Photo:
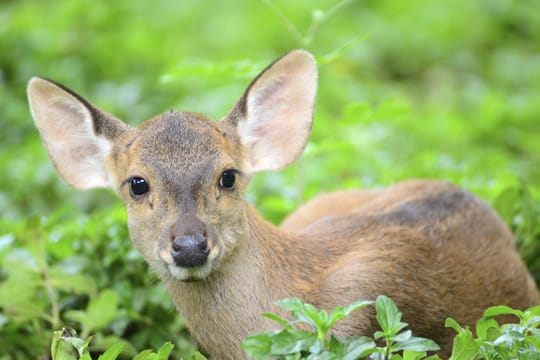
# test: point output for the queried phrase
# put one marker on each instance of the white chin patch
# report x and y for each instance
(191, 273)
(188, 273)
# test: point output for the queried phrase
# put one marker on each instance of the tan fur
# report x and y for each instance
(437, 250)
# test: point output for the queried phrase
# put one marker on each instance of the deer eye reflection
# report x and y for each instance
(138, 186)
(228, 179)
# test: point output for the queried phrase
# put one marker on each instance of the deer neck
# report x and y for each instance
(259, 271)
(245, 286)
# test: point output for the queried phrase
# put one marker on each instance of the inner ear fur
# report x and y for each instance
(77, 135)
(273, 118)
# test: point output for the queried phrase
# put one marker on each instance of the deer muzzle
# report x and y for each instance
(190, 250)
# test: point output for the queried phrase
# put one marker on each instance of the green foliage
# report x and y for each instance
(520, 208)
(99, 312)
(406, 89)
(293, 342)
(67, 346)
(389, 319)
(108, 293)
(493, 342)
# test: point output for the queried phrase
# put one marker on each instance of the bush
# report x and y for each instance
(294, 343)
(493, 342)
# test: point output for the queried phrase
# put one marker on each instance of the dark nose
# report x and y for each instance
(190, 250)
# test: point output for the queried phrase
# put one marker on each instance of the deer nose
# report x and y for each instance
(190, 250)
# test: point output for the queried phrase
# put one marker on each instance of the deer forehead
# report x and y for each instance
(177, 144)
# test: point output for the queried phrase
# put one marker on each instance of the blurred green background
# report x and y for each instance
(445, 89)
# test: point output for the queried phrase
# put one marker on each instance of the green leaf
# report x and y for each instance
(292, 304)
(418, 344)
(388, 316)
(487, 329)
(312, 316)
(451, 323)
(143, 355)
(360, 348)
(3, 320)
(103, 342)
(165, 351)
(77, 343)
(342, 312)
(322, 356)
(281, 321)
(413, 355)
(533, 312)
(65, 351)
(77, 283)
(18, 293)
(258, 346)
(76, 315)
(503, 310)
(337, 345)
(112, 353)
(318, 347)
(355, 306)
(533, 322)
(291, 357)
(403, 336)
(66, 345)
(104, 307)
(100, 312)
(305, 313)
(534, 340)
(511, 336)
(198, 356)
(464, 347)
(293, 341)
(532, 317)
(337, 314)
(507, 203)
(62, 349)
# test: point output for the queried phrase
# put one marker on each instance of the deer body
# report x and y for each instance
(434, 248)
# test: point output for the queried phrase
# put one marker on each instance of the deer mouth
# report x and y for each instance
(190, 271)
(190, 274)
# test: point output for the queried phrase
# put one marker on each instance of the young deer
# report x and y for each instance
(437, 250)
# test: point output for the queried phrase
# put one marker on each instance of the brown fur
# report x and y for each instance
(437, 250)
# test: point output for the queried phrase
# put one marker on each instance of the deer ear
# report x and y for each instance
(274, 116)
(77, 135)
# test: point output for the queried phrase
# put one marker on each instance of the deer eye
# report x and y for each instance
(228, 179)
(138, 186)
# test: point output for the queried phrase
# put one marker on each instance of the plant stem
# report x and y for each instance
(337, 7)
(290, 26)
(316, 23)
(388, 346)
(55, 309)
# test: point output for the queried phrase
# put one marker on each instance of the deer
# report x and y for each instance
(436, 249)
